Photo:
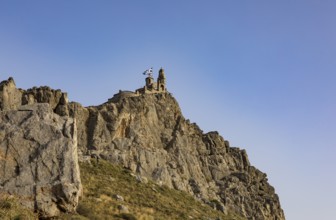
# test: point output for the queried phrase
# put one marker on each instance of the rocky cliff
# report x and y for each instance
(38, 153)
(149, 135)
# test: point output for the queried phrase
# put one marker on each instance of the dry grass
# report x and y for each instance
(144, 201)
(140, 201)
(11, 209)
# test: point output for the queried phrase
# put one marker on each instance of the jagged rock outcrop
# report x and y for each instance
(38, 159)
(12, 97)
(149, 135)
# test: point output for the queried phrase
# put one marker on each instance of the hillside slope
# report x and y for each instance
(113, 192)
(148, 135)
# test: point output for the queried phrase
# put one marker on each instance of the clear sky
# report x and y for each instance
(262, 73)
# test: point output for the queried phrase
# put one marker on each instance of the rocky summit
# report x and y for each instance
(43, 136)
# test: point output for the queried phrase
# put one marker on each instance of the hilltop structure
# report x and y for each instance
(151, 87)
(154, 87)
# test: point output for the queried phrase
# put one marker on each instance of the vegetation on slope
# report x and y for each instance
(111, 192)
(11, 209)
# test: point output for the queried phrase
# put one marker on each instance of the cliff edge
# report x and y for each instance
(148, 134)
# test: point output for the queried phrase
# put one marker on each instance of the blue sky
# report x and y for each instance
(262, 73)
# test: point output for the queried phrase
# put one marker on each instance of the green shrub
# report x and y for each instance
(84, 210)
(127, 216)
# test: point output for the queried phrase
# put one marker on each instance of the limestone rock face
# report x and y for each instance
(38, 158)
(149, 135)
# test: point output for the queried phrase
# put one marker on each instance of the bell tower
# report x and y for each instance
(161, 81)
